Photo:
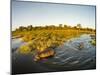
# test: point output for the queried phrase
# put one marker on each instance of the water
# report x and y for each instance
(69, 54)
(16, 43)
(68, 57)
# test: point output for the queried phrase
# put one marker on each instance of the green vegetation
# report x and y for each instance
(93, 42)
(41, 38)
(25, 49)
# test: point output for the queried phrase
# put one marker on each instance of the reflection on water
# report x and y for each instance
(16, 43)
(69, 55)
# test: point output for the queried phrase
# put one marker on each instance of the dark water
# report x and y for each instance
(68, 57)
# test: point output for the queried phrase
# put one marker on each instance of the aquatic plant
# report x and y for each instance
(25, 49)
(41, 38)
(93, 42)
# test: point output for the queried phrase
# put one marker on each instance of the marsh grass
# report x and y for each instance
(42, 38)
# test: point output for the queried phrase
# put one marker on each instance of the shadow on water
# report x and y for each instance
(68, 57)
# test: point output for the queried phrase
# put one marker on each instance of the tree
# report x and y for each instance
(79, 26)
(60, 25)
(29, 27)
(65, 26)
(21, 28)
